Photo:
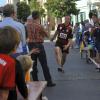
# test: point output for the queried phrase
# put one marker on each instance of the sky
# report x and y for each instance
(2, 2)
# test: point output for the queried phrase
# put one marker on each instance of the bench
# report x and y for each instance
(35, 90)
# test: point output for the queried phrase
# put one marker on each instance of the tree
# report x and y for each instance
(35, 5)
(60, 8)
(23, 11)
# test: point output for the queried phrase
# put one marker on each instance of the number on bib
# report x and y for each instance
(63, 36)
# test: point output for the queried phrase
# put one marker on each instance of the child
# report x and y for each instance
(26, 63)
(11, 73)
(7, 63)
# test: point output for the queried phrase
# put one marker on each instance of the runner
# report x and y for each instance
(63, 42)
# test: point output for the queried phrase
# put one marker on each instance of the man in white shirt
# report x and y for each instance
(9, 16)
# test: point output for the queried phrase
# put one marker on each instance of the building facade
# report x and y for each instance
(84, 11)
(85, 7)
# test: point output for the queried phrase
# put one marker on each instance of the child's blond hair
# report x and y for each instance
(26, 62)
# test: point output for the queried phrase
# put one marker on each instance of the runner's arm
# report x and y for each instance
(54, 36)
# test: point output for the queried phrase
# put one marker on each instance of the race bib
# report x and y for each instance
(63, 36)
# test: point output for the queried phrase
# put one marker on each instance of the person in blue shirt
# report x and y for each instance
(9, 16)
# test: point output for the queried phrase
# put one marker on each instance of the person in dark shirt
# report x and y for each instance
(63, 42)
(97, 43)
(96, 34)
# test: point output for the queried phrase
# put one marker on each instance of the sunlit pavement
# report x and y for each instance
(81, 81)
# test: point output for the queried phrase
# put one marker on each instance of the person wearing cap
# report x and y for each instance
(63, 42)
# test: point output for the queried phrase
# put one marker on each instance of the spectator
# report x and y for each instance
(36, 34)
(29, 21)
(20, 83)
(9, 14)
(26, 63)
(7, 63)
(95, 20)
(97, 36)
(77, 34)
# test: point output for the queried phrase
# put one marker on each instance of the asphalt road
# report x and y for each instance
(81, 81)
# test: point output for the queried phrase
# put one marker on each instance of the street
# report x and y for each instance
(79, 82)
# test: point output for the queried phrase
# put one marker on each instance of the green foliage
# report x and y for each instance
(35, 5)
(60, 8)
(23, 11)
